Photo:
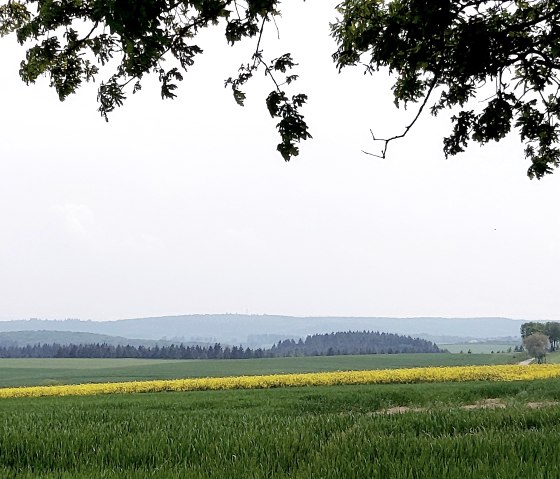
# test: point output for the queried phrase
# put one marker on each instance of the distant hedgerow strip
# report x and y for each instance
(385, 376)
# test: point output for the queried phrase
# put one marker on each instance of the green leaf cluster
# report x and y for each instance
(69, 40)
(292, 126)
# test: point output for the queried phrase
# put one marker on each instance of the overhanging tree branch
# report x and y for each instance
(386, 141)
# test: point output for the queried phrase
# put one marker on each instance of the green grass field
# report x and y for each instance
(27, 372)
(480, 348)
(553, 358)
(320, 432)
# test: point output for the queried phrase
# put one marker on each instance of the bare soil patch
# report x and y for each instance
(402, 410)
(490, 403)
(541, 404)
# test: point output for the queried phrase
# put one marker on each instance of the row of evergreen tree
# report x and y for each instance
(341, 343)
(353, 342)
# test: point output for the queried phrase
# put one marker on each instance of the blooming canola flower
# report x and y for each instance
(383, 376)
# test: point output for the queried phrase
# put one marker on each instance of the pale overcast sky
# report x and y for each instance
(185, 207)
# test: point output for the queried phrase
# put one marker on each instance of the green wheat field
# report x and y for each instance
(452, 430)
(39, 372)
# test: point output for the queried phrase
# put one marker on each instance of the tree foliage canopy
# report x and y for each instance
(135, 37)
(537, 345)
(493, 64)
(551, 329)
(454, 51)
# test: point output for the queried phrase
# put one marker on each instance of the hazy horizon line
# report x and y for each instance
(6, 319)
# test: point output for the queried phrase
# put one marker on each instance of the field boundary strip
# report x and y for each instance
(384, 376)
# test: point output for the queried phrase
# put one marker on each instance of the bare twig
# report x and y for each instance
(276, 25)
(260, 61)
(386, 141)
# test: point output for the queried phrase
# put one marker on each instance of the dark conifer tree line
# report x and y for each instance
(353, 342)
(341, 343)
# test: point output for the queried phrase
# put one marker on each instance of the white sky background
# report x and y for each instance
(184, 206)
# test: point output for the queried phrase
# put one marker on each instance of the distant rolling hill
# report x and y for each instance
(243, 329)
(24, 338)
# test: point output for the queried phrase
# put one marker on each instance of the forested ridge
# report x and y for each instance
(340, 343)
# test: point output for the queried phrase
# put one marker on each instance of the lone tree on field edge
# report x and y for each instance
(537, 345)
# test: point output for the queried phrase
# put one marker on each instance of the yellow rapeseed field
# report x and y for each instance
(384, 376)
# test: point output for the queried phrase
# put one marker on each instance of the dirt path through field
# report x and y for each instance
(526, 362)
